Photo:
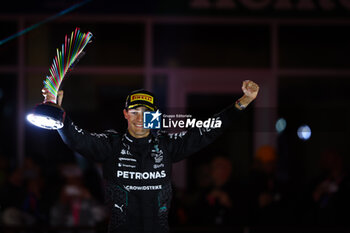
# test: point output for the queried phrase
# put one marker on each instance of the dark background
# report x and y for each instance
(313, 73)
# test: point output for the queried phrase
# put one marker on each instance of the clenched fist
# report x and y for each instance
(250, 90)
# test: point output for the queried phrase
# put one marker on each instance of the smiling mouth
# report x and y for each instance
(139, 126)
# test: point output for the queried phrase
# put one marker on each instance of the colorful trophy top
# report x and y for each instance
(50, 116)
(65, 59)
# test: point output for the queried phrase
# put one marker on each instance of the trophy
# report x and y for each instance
(49, 115)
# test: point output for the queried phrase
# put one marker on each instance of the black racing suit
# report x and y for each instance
(138, 171)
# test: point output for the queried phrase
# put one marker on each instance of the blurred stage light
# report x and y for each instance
(304, 132)
(281, 125)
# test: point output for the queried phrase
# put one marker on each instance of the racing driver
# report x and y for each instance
(137, 164)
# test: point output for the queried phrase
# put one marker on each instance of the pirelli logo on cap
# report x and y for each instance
(143, 97)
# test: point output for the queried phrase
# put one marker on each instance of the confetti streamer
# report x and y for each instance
(66, 58)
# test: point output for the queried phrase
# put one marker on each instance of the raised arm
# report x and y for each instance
(188, 142)
(96, 147)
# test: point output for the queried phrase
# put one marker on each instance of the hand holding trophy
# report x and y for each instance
(49, 114)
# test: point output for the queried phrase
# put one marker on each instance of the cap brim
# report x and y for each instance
(143, 105)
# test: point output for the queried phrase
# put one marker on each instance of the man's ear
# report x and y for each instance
(125, 113)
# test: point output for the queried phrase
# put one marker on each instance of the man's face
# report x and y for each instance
(135, 122)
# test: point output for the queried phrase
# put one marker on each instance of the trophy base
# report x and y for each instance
(47, 116)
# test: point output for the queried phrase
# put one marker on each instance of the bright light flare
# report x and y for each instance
(47, 116)
(45, 122)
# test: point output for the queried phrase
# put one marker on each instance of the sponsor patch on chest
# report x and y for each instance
(141, 175)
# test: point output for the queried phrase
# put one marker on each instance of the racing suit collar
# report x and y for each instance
(132, 139)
